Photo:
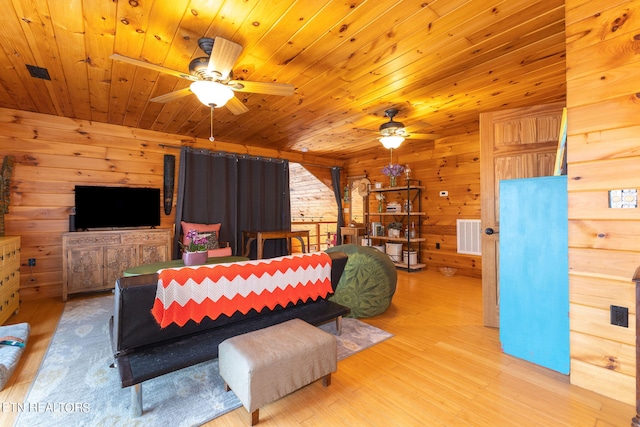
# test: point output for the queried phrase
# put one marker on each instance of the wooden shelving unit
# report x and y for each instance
(413, 193)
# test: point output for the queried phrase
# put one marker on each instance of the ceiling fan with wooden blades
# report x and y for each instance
(393, 133)
(212, 77)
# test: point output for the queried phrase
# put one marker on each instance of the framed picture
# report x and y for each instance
(561, 155)
(377, 227)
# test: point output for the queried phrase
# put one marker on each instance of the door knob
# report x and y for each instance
(488, 231)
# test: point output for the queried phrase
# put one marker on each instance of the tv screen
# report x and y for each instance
(105, 207)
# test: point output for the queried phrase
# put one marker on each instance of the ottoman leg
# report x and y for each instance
(255, 417)
(326, 380)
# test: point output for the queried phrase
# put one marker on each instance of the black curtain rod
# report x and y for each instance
(179, 147)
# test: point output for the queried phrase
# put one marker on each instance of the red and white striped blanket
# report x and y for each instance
(191, 293)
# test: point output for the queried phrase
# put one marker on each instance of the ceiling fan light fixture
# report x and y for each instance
(391, 141)
(211, 94)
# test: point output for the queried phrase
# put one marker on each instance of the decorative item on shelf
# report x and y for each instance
(380, 198)
(394, 229)
(195, 252)
(393, 207)
(407, 173)
(393, 171)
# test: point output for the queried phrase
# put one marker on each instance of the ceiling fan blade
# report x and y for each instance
(281, 89)
(223, 57)
(153, 67)
(168, 97)
(427, 136)
(236, 106)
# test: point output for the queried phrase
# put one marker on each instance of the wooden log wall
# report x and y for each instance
(451, 164)
(603, 146)
(53, 154)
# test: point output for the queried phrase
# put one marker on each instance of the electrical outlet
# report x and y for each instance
(620, 316)
(32, 262)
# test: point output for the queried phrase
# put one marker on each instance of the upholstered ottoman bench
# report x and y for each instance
(265, 365)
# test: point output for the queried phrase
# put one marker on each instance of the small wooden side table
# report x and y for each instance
(261, 236)
(354, 232)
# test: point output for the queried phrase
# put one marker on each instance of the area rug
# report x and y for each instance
(76, 387)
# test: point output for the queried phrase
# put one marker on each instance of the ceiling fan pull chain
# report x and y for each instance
(211, 138)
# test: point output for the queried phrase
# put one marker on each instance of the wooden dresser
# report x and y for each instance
(9, 276)
(93, 260)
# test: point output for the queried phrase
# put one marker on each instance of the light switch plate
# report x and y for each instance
(625, 199)
(444, 193)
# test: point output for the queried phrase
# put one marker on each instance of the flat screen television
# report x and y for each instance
(109, 207)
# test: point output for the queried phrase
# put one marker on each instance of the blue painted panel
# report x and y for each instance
(534, 271)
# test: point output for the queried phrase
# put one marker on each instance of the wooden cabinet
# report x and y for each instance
(93, 260)
(9, 276)
(409, 198)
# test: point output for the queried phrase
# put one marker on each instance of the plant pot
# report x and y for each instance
(194, 258)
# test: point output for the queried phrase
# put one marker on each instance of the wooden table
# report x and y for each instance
(261, 236)
(354, 232)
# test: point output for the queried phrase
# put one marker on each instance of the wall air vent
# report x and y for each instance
(469, 236)
(38, 73)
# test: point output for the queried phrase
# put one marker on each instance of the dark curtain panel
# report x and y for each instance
(264, 200)
(240, 192)
(207, 188)
(335, 180)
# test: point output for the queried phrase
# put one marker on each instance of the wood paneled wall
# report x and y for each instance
(53, 154)
(451, 164)
(603, 149)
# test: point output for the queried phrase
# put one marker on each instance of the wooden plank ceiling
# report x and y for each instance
(440, 62)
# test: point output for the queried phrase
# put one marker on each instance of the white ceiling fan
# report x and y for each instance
(212, 77)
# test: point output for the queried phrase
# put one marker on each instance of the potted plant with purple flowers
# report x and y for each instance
(393, 171)
(195, 252)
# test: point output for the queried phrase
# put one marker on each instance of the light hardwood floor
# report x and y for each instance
(442, 368)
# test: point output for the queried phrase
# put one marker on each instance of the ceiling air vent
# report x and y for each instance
(38, 73)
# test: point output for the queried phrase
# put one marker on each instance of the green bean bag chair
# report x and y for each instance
(368, 281)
